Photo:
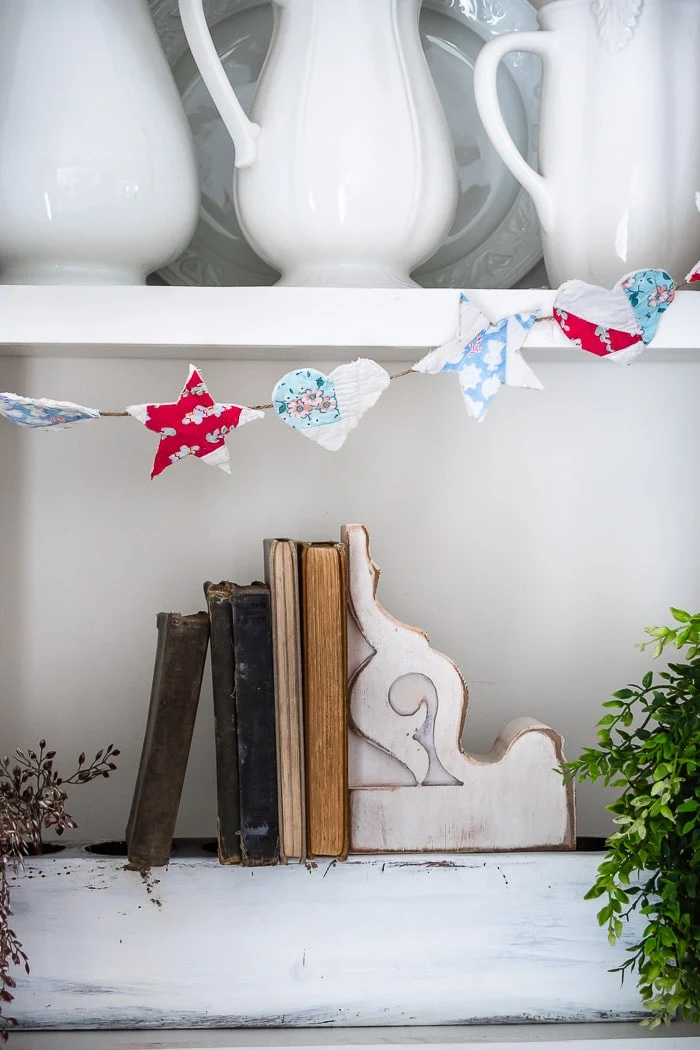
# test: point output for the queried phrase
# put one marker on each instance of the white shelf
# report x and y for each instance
(486, 938)
(679, 1036)
(283, 323)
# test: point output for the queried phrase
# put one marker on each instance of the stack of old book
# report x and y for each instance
(279, 674)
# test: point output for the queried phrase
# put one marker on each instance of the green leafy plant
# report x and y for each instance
(649, 748)
(32, 798)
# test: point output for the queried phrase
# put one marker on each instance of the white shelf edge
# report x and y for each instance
(624, 1036)
(283, 323)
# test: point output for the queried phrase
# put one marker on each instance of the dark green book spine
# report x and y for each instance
(255, 711)
(228, 821)
(177, 680)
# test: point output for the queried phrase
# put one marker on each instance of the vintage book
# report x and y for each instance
(177, 680)
(228, 804)
(324, 634)
(255, 717)
(282, 577)
(281, 570)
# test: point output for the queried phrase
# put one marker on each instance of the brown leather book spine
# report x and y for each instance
(177, 680)
(228, 819)
(324, 617)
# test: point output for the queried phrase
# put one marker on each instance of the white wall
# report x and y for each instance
(533, 548)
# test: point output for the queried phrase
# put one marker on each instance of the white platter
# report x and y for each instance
(495, 237)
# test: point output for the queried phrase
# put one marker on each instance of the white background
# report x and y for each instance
(532, 547)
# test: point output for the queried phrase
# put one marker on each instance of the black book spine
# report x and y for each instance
(255, 710)
(228, 821)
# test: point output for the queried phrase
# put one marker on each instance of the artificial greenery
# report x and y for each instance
(32, 798)
(649, 748)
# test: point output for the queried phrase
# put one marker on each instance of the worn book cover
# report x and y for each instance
(228, 805)
(255, 718)
(325, 663)
(177, 680)
(282, 577)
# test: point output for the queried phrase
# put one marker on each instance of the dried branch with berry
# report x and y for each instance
(32, 800)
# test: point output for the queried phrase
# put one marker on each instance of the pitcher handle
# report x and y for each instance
(243, 131)
(486, 97)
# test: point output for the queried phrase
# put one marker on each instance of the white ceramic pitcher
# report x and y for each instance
(619, 139)
(346, 173)
(98, 183)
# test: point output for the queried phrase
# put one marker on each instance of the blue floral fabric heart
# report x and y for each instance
(650, 293)
(306, 398)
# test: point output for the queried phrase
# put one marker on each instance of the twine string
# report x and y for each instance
(256, 408)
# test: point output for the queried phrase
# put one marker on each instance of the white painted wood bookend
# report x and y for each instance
(412, 787)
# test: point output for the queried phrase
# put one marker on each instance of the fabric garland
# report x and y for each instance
(484, 355)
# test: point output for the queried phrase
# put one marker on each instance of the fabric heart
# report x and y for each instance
(326, 408)
(650, 293)
(618, 323)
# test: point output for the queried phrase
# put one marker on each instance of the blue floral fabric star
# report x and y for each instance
(484, 357)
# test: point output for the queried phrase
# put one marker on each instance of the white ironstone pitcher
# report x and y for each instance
(345, 174)
(619, 152)
(98, 183)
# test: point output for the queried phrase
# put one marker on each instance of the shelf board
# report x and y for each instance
(679, 1036)
(83, 914)
(284, 323)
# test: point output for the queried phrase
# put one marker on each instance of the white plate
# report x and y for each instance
(495, 237)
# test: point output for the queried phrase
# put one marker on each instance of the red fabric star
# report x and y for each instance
(194, 425)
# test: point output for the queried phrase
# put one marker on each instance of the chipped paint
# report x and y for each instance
(386, 940)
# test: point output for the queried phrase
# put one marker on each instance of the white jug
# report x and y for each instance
(619, 151)
(346, 173)
(98, 183)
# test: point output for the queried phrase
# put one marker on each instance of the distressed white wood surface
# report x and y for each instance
(498, 1037)
(254, 323)
(372, 941)
(408, 702)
